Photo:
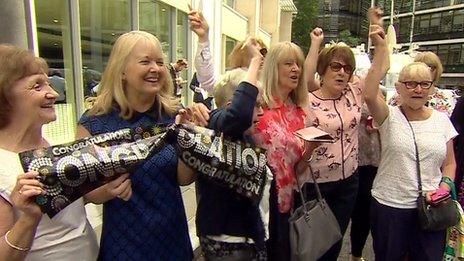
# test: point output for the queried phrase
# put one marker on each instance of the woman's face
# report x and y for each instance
(289, 74)
(33, 98)
(336, 75)
(415, 89)
(145, 72)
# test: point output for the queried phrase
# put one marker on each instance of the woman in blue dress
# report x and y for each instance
(136, 91)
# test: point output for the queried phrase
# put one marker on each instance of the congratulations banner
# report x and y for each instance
(71, 170)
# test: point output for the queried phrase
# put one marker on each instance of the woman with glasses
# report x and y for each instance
(394, 222)
(334, 107)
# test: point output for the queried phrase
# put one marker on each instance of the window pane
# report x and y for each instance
(155, 18)
(181, 47)
(102, 22)
(54, 39)
(230, 44)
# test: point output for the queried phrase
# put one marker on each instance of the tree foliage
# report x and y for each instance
(346, 37)
(304, 21)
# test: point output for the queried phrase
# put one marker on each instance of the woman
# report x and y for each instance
(368, 161)
(335, 107)
(395, 226)
(239, 58)
(26, 104)
(284, 97)
(441, 100)
(136, 90)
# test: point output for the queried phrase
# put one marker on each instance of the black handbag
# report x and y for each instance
(437, 216)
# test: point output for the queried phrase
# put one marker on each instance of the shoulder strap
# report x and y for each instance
(417, 153)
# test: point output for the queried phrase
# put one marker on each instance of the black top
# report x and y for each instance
(220, 210)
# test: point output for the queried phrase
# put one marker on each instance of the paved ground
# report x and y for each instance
(188, 194)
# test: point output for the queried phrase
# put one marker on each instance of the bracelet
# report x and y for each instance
(447, 180)
(24, 249)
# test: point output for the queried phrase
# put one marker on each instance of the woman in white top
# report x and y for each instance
(26, 103)
(395, 225)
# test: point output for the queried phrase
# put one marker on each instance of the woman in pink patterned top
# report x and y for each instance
(334, 107)
(284, 97)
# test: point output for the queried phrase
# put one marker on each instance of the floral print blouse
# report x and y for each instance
(274, 132)
(340, 118)
(441, 100)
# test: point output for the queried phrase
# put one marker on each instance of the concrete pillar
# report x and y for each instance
(13, 23)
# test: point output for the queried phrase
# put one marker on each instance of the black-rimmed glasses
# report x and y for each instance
(413, 84)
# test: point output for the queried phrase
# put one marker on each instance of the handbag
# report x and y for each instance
(437, 216)
(313, 227)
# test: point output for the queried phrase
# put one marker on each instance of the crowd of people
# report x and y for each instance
(367, 175)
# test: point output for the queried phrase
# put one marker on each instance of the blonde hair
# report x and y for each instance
(240, 57)
(415, 69)
(225, 88)
(15, 63)
(430, 58)
(270, 74)
(112, 90)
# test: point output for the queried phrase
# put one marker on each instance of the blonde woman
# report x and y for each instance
(395, 226)
(284, 95)
(136, 90)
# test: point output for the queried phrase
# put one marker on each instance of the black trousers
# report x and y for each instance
(396, 234)
(278, 245)
(360, 218)
(340, 196)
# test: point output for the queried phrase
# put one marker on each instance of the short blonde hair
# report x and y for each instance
(239, 57)
(15, 63)
(112, 90)
(415, 69)
(225, 88)
(270, 74)
(429, 59)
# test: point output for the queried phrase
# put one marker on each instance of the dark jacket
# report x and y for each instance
(220, 210)
(457, 118)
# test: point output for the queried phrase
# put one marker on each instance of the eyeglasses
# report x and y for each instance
(336, 66)
(263, 51)
(413, 84)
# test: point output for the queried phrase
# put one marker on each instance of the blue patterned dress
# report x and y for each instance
(152, 225)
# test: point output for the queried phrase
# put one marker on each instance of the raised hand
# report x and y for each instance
(374, 14)
(198, 25)
(377, 35)
(253, 47)
(23, 195)
(317, 36)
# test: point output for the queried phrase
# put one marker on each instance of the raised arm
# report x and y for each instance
(317, 37)
(381, 63)
(203, 61)
(237, 117)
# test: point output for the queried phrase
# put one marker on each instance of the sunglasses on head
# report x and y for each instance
(413, 84)
(263, 51)
(336, 66)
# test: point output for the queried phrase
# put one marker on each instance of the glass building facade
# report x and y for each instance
(340, 15)
(435, 25)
